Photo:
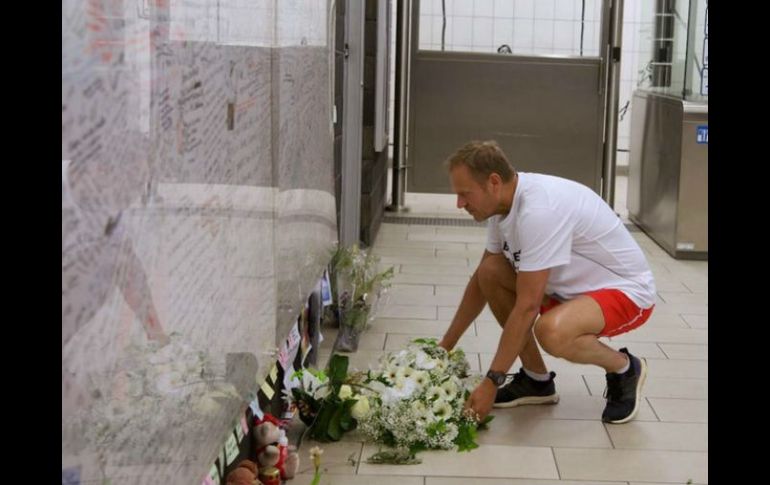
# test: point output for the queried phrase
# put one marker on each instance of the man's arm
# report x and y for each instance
(470, 306)
(530, 287)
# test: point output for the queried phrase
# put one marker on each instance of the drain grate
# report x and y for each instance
(457, 222)
(434, 221)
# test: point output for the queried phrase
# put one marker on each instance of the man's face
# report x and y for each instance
(475, 198)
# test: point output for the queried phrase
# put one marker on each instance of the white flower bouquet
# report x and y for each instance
(416, 401)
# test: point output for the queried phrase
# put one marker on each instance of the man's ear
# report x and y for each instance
(495, 181)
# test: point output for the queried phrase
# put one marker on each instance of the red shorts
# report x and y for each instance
(620, 313)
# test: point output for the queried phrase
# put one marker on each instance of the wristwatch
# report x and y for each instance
(498, 378)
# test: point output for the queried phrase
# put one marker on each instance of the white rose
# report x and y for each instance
(345, 392)
(424, 361)
(360, 408)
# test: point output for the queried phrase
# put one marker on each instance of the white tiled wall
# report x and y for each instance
(527, 26)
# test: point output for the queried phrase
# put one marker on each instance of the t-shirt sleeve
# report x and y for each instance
(494, 237)
(546, 239)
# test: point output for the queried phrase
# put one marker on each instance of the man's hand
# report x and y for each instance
(482, 398)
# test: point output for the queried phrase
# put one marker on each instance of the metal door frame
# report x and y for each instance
(610, 49)
(352, 114)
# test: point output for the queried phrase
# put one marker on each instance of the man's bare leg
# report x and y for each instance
(498, 284)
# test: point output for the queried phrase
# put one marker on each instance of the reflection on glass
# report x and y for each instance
(197, 215)
(675, 34)
(696, 74)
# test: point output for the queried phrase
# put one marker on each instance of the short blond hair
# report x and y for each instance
(483, 158)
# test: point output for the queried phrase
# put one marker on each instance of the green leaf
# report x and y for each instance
(334, 431)
(436, 428)
(394, 457)
(484, 422)
(319, 430)
(347, 422)
(388, 439)
(317, 373)
(426, 341)
(338, 370)
(417, 447)
(466, 437)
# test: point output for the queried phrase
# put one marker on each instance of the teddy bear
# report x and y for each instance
(244, 474)
(273, 448)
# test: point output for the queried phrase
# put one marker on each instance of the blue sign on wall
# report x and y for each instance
(702, 134)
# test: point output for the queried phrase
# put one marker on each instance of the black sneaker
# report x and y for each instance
(623, 391)
(526, 390)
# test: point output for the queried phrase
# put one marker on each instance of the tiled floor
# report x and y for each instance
(540, 445)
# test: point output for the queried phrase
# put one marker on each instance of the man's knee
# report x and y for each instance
(551, 336)
(494, 272)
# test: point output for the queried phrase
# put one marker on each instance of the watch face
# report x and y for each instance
(497, 377)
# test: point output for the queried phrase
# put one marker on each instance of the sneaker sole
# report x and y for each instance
(552, 399)
(639, 385)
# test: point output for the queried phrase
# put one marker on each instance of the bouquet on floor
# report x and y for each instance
(326, 401)
(413, 401)
(416, 399)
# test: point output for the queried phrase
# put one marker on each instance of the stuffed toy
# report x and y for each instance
(244, 474)
(273, 447)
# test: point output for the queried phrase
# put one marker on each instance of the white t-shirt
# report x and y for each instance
(561, 225)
